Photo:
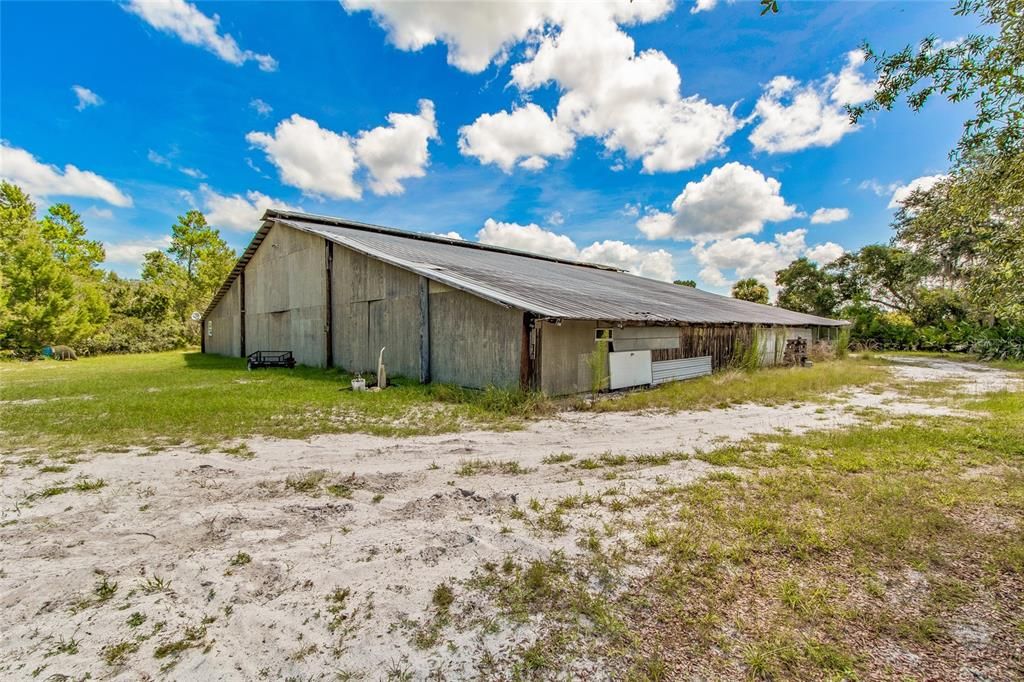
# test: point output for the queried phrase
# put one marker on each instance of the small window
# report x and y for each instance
(603, 334)
(209, 327)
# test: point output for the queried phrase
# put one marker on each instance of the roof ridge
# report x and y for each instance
(278, 214)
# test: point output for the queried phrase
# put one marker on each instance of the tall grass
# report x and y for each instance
(772, 385)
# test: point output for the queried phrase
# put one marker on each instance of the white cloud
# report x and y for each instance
(322, 162)
(475, 32)
(506, 137)
(901, 193)
(745, 257)
(631, 210)
(313, 159)
(158, 159)
(535, 239)
(446, 235)
(260, 107)
(731, 200)
(829, 215)
(101, 213)
(42, 180)
(184, 20)
(399, 150)
(630, 101)
(705, 6)
(86, 97)
(793, 116)
(532, 238)
(237, 212)
(478, 33)
(555, 218)
(133, 251)
(826, 253)
(193, 173)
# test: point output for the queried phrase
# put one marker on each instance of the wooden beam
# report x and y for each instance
(241, 310)
(329, 312)
(424, 330)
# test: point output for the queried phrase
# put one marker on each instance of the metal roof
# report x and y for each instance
(547, 287)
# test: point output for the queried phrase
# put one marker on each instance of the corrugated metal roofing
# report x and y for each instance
(547, 287)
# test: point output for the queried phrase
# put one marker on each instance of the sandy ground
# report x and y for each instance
(165, 528)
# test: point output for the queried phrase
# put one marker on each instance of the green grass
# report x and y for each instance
(769, 386)
(804, 566)
(165, 399)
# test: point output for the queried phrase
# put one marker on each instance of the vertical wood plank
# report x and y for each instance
(424, 330)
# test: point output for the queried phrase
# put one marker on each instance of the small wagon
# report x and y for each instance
(270, 358)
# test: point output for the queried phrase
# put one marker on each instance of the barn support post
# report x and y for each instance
(329, 312)
(529, 363)
(424, 330)
(241, 311)
(202, 335)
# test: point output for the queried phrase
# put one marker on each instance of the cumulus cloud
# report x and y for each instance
(731, 200)
(745, 257)
(185, 21)
(504, 138)
(42, 180)
(86, 97)
(238, 212)
(398, 150)
(829, 215)
(629, 101)
(323, 163)
(318, 161)
(446, 235)
(703, 6)
(792, 115)
(535, 239)
(133, 251)
(902, 192)
(532, 238)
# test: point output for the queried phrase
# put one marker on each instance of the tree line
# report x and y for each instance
(952, 276)
(53, 290)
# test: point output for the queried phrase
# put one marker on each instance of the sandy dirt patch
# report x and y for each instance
(319, 558)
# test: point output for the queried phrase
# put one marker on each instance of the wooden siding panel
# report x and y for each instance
(226, 321)
(285, 296)
(473, 342)
(563, 368)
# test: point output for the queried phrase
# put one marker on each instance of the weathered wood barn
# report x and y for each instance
(334, 292)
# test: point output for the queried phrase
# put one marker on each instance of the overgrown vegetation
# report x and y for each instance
(172, 398)
(889, 549)
(950, 279)
(767, 386)
(53, 290)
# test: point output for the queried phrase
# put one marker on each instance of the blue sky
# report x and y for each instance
(671, 142)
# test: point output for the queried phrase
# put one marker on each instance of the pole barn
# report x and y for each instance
(334, 292)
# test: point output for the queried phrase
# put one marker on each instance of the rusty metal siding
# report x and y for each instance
(284, 297)
(473, 342)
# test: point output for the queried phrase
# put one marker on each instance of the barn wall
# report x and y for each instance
(285, 295)
(473, 342)
(375, 305)
(564, 352)
(224, 321)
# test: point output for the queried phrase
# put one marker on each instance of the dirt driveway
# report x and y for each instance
(319, 559)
